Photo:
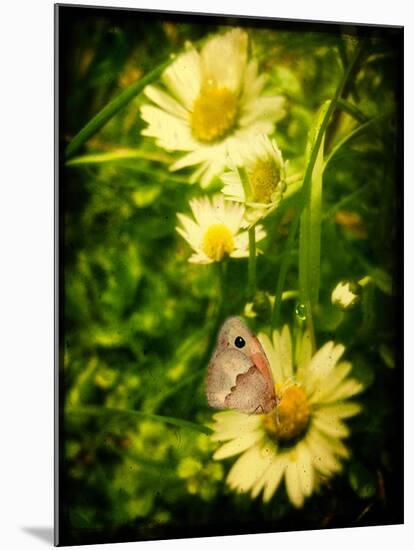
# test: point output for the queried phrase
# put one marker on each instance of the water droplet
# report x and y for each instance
(300, 311)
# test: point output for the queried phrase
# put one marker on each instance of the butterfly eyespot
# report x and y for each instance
(239, 342)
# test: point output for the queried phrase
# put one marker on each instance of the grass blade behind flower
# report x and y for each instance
(316, 139)
(310, 226)
(92, 410)
(111, 108)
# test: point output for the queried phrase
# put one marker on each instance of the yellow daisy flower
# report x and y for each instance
(211, 101)
(216, 230)
(301, 440)
(263, 170)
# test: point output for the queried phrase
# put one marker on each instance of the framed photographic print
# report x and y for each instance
(228, 275)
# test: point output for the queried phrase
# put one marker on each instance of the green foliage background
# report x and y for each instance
(138, 321)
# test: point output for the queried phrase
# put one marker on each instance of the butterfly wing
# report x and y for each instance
(239, 379)
(222, 373)
(251, 393)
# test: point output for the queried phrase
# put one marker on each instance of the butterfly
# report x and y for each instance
(239, 375)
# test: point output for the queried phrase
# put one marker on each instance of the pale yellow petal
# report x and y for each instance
(342, 409)
(232, 424)
(274, 360)
(328, 386)
(306, 471)
(253, 83)
(183, 77)
(249, 468)
(191, 159)
(273, 477)
(238, 445)
(191, 231)
(170, 132)
(286, 352)
(200, 258)
(322, 363)
(293, 486)
(166, 102)
(345, 390)
(322, 454)
(283, 352)
(304, 354)
(266, 108)
(224, 58)
(329, 424)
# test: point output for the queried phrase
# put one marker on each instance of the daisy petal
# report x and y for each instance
(332, 382)
(343, 410)
(238, 445)
(283, 351)
(223, 59)
(329, 424)
(183, 78)
(293, 486)
(323, 362)
(165, 101)
(249, 468)
(232, 424)
(272, 357)
(273, 477)
(170, 132)
(265, 108)
(305, 469)
(347, 389)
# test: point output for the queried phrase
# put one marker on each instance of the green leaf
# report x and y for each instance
(387, 356)
(112, 108)
(362, 481)
(310, 225)
(357, 132)
(316, 138)
(109, 411)
(382, 280)
(118, 155)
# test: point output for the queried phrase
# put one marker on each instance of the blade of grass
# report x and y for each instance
(118, 155)
(306, 182)
(111, 108)
(288, 256)
(360, 130)
(251, 286)
(91, 410)
(352, 110)
(310, 226)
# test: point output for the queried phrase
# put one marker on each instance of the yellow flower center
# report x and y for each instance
(264, 178)
(291, 416)
(214, 113)
(218, 241)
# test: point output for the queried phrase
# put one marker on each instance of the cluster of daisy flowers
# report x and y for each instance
(211, 110)
(211, 107)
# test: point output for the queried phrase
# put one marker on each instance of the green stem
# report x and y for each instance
(310, 324)
(352, 110)
(352, 135)
(353, 69)
(105, 114)
(252, 264)
(284, 269)
(92, 410)
(324, 124)
(306, 185)
(118, 155)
